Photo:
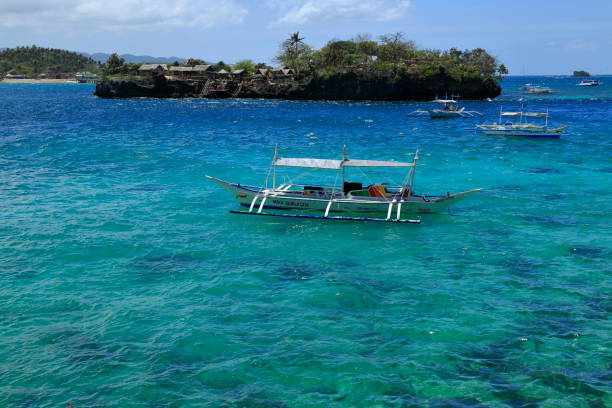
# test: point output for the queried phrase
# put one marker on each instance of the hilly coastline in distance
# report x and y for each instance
(34, 60)
(102, 57)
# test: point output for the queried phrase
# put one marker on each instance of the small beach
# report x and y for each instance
(37, 81)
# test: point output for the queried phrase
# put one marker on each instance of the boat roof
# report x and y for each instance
(333, 164)
(534, 114)
(445, 100)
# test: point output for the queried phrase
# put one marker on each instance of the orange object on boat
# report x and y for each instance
(377, 191)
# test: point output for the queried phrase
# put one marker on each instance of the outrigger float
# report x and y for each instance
(350, 201)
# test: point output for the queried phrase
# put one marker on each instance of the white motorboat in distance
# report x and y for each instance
(347, 201)
(589, 82)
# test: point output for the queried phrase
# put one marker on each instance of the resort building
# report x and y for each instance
(222, 74)
(202, 71)
(282, 74)
(152, 69)
(52, 72)
(86, 77)
(181, 72)
(239, 74)
(262, 72)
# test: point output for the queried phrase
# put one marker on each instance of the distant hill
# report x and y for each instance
(36, 60)
(102, 57)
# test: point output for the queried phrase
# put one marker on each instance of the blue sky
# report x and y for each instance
(531, 37)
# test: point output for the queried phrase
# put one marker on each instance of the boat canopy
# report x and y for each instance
(445, 100)
(534, 114)
(333, 164)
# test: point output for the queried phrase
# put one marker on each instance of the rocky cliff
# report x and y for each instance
(344, 86)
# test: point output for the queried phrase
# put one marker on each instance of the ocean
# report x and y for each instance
(125, 281)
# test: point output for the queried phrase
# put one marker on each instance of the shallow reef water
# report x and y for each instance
(125, 281)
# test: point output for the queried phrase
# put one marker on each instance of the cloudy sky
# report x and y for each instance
(529, 36)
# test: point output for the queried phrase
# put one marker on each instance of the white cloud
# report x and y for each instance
(125, 14)
(297, 12)
(581, 45)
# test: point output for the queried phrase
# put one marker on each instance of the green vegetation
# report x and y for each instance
(221, 65)
(192, 62)
(36, 60)
(297, 55)
(249, 66)
(390, 56)
(116, 65)
(581, 74)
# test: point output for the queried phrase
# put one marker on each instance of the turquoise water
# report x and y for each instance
(124, 281)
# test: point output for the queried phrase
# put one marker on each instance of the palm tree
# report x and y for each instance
(295, 42)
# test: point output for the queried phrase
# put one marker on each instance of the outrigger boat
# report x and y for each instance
(522, 128)
(450, 109)
(348, 201)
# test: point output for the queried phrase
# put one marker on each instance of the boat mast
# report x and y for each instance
(546, 120)
(274, 167)
(344, 158)
(412, 170)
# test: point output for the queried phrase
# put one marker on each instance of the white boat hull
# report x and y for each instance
(349, 206)
(439, 113)
(546, 133)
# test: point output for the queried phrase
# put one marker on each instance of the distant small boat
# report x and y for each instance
(538, 89)
(450, 109)
(589, 82)
(522, 128)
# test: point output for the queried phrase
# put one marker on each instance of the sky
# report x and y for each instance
(535, 37)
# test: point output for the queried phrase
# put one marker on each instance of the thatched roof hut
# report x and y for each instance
(152, 67)
(202, 68)
(282, 72)
(181, 69)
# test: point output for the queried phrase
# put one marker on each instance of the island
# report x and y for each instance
(581, 74)
(389, 69)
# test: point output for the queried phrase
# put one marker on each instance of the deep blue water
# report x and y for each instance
(124, 281)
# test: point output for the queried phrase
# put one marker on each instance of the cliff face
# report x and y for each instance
(347, 86)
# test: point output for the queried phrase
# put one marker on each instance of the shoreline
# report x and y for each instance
(38, 81)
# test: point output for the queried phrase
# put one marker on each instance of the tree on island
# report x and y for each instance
(114, 65)
(246, 64)
(221, 65)
(192, 62)
(294, 53)
(391, 56)
(395, 49)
